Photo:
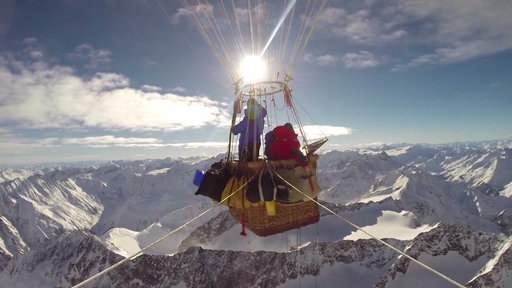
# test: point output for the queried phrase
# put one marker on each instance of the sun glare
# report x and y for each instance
(252, 69)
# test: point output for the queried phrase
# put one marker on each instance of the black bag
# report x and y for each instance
(214, 182)
(266, 187)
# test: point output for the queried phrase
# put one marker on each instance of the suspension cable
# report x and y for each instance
(299, 266)
(299, 51)
(230, 31)
(425, 266)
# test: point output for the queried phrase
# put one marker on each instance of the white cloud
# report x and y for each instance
(360, 27)
(109, 140)
(179, 89)
(332, 15)
(461, 29)
(357, 60)
(192, 145)
(93, 58)
(360, 60)
(326, 59)
(5, 130)
(444, 31)
(192, 10)
(320, 131)
(323, 60)
(38, 95)
(12, 144)
(101, 82)
(150, 88)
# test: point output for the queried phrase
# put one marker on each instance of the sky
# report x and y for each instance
(118, 80)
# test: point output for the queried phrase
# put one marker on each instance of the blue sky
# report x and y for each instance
(106, 80)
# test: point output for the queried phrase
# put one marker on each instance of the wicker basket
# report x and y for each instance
(287, 217)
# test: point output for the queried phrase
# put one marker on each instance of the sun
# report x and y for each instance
(252, 69)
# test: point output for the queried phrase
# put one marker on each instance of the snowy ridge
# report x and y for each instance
(453, 245)
(77, 253)
(448, 206)
(496, 272)
(43, 206)
(490, 170)
(356, 263)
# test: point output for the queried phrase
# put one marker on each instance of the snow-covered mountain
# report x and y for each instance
(447, 206)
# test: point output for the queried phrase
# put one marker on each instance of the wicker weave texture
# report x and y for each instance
(288, 216)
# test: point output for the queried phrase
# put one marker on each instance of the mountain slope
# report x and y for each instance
(353, 263)
(40, 207)
(446, 205)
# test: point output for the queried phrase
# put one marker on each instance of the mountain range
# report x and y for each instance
(391, 216)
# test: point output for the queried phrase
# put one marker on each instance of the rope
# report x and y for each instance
(317, 250)
(230, 35)
(305, 111)
(374, 237)
(299, 51)
(298, 244)
(140, 252)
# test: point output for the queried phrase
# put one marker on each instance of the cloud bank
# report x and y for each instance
(444, 32)
(38, 94)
